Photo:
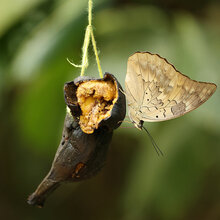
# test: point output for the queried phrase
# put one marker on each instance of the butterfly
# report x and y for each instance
(156, 91)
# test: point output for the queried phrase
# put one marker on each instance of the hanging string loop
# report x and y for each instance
(89, 36)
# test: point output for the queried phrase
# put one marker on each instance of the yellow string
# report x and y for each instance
(85, 60)
(96, 55)
(90, 12)
(89, 34)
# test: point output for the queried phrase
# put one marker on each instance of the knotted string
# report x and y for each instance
(89, 35)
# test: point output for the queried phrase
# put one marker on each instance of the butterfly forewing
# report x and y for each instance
(137, 89)
(158, 92)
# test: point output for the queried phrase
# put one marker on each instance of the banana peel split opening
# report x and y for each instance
(96, 102)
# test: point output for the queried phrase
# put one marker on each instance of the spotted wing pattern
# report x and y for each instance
(156, 91)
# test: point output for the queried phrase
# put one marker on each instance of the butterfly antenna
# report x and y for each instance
(157, 149)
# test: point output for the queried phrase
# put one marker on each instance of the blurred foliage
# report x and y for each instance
(36, 37)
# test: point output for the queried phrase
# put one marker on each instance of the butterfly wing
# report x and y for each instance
(156, 91)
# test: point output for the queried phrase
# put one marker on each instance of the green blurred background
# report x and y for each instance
(36, 37)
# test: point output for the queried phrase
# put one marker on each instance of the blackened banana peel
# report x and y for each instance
(97, 107)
